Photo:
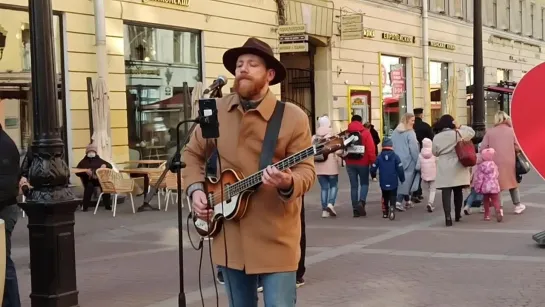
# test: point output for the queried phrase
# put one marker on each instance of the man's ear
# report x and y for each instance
(270, 75)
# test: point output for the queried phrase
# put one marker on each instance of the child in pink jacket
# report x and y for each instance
(485, 181)
(428, 170)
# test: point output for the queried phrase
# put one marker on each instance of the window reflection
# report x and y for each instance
(394, 92)
(438, 89)
(158, 62)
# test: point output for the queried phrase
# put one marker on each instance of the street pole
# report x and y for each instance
(478, 73)
(50, 205)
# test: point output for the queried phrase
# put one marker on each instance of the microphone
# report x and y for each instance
(217, 84)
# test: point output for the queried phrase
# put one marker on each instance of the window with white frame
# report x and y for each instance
(532, 8)
(543, 23)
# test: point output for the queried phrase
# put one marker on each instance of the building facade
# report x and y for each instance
(153, 48)
(343, 57)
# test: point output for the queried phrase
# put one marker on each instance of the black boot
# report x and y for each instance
(457, 212)
(362, 208)
(448, 221)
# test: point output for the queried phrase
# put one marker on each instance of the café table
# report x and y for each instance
(144, 171)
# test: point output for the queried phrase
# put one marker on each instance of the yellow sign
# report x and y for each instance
(296, 47)
(351, 27)
(292, 29)
(441, 45)
(368, 33)
(175, 2)
(399, 37)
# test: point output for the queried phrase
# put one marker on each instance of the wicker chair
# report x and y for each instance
(113, 183)
(154, 178)
(171, 188)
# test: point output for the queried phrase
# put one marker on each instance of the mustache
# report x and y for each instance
(244, 77)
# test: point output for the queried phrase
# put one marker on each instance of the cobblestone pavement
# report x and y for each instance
(414, 261)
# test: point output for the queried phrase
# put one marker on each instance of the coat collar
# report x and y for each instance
(265, 108)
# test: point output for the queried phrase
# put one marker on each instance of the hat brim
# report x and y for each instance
(230, 58)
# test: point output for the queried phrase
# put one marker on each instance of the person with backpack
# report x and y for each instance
(358, 157)
(391, 171)
(327, 170)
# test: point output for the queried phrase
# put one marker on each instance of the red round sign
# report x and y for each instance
(527, 112)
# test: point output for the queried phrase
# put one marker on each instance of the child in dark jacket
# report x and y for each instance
(391, 172)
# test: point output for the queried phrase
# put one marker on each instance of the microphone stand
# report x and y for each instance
(176, 165)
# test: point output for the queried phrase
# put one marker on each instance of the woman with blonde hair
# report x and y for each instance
(501, 137)
(407, 148)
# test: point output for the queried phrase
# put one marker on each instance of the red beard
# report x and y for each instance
(251, 87)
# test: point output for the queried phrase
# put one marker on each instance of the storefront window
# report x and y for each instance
(394, 91)
(15, 77)
(438, 89)
(157, 63)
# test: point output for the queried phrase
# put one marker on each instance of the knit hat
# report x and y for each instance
(387, 142)
(324, 121)
(91, 147)
(427, 143)
(487, 154)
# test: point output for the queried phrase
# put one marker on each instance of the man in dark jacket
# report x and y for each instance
(10, 180)
(423, 130)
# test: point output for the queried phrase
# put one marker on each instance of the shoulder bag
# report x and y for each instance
(465, 150)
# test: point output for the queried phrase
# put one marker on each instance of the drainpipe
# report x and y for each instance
(100, 35)
(425, 60)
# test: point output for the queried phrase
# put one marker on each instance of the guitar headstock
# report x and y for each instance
(331, 145)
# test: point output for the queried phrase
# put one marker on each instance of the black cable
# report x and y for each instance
(224, 224)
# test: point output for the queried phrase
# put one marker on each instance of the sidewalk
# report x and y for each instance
(132, 260)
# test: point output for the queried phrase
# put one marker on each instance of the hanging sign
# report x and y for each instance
(184, 3)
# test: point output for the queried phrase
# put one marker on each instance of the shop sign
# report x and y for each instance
(397, 80)
(292, 29)
(294, 47)
(399, 37)
(138, 70)
(351, 27)
(441, 45)
(174, 2)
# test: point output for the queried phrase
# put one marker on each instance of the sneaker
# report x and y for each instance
(409, 204)
(331, 210)
(430, 207)
(356, 213)
(375, 179)
(325, 214)
(299, 282)
(487, 218)
(384, 214)
(399, 207)
(219, 278)
(260, 289)
(519, 208)
(499, 215)
(467, 210)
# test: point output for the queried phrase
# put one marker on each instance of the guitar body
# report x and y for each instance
(232, 208)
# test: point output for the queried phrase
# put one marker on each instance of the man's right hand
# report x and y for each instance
(89, 172)
(200, 205)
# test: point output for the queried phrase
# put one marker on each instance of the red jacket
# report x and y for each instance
(370, 154)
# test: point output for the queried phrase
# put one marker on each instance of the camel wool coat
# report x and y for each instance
(266, 239)
(502, 138)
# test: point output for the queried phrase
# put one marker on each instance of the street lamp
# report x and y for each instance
(478, 73)
(50, 205)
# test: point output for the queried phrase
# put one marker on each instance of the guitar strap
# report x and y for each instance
(271, 135)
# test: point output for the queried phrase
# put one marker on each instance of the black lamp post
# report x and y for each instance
(50, 206)
(478, 73)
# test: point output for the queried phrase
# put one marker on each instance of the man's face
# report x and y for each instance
(252, 77)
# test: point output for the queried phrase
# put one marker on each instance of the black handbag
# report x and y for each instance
(522, 165)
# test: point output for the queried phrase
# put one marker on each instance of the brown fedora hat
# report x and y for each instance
(259, 48)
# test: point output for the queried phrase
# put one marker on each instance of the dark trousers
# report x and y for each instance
(418, 192)
(89, 188)
(11, 289)
(458, 200)
(303, 243)
(388, 199)
(146, 182)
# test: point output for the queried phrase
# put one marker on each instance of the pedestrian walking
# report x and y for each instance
(10, 187)
(427, 165)
(391, 171)
(327, 170)
(423, 130)
(357, 165)
(452, 176)
(406, 147)
(486, 182)
(473, 196)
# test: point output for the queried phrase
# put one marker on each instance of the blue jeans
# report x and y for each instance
(359, 178)
(11, 289)
(330, 187)
(473, 197)
(278, 288)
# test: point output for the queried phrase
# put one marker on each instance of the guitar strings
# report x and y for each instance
(235, 187)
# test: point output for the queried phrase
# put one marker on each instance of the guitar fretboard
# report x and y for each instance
(288, 162)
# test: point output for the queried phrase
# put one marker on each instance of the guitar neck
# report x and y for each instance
(256, 178)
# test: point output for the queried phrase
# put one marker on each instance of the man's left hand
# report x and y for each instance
(275, 178)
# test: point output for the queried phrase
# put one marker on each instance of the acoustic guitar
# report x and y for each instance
(232, 201)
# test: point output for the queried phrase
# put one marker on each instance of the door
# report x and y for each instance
(298, 88)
